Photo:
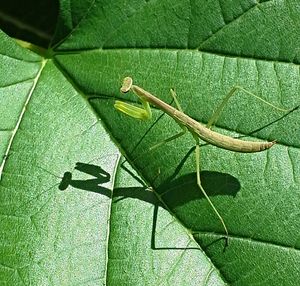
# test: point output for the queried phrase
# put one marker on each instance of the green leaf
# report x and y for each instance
(72, 214)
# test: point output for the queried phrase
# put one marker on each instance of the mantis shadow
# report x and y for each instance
(178, 192)
(142, 193)
(91, 185)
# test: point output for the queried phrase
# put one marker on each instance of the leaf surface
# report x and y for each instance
(59, 120)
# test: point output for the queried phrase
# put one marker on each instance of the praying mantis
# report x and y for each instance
(196, 129)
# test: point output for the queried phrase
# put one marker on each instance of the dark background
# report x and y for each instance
(31, 20)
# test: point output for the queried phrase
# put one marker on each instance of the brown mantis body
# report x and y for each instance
(204, 133)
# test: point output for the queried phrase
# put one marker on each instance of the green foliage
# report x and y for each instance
(73, 213)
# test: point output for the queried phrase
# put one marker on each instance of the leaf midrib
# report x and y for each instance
(35, 81)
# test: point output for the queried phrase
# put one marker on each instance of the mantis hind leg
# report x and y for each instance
(197, 154)
(233, 91)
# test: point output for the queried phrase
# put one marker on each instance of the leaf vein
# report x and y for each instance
(21, 117)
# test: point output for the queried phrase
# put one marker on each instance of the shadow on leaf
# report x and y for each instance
(185, 188)
(92, 185)
(181, 192)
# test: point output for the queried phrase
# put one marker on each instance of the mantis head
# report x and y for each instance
(130, 109)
